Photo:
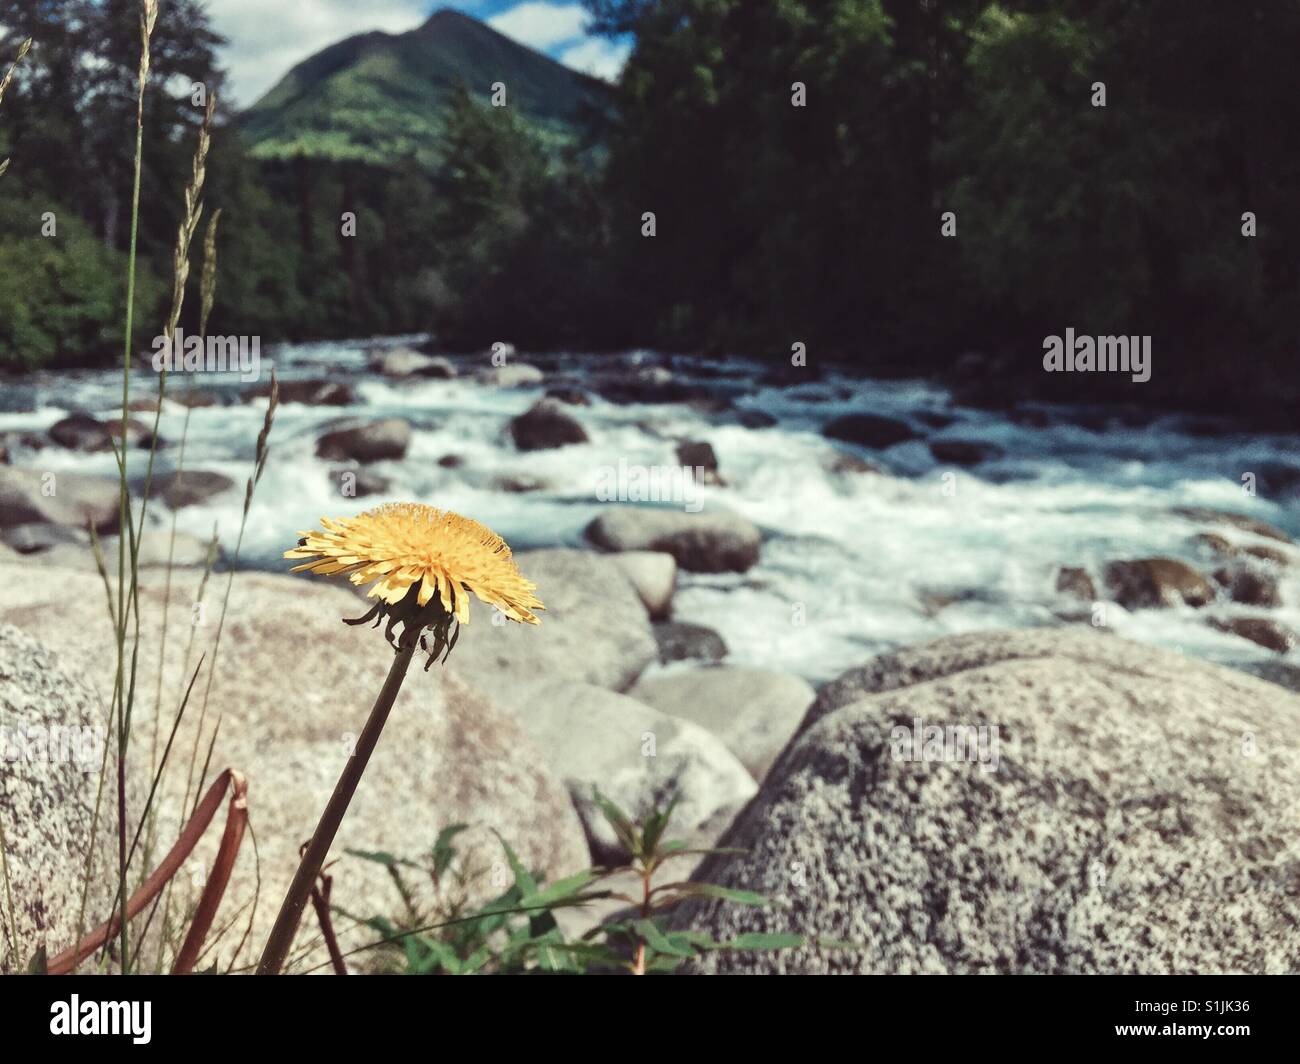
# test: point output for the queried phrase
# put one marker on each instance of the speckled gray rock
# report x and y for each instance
(594, 630)
(51, 741)
(754, 711)
(637, 756)
(931, 661)
(1140, 819)
(293, 688)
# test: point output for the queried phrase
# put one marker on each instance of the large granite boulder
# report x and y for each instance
(292, 689)
(52, 743)
(1130, 814)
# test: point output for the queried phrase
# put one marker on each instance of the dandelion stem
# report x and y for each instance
(286, 924)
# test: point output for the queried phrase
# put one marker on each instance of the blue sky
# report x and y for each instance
(267, 37)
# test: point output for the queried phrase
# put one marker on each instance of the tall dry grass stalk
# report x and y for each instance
(127, 605)
(23, 49)
(148, 19)
(207, 295)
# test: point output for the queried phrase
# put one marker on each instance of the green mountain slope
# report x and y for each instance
(378, 97)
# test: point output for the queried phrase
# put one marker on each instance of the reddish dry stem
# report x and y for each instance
(68, 960)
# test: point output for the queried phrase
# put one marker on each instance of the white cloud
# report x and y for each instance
(541, 25)
(596, 56)
(267, 38)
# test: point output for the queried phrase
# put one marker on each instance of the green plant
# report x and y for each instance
(517, 932)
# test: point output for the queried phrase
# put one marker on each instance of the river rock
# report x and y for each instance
(870, 430)
(637, 756)
(371, 441)
(1123, 829)
(518, 483)
(594, 629)
(138, 434)
(311, 393)
(156, 550)
(1236, 520)
(1074, 581)
(1266, 553)
(53, 744)
(570, 396)
(680, 641)
(1156, 583)
(358, 483)
(515, 375)
(698, 456)
(1216, 545)
(545, 425)
(30, 496)
(81, 432)
(403, 362)
(292, 689)
(188, 487)
(964, 452)
(712, 541)
(654, 575)
(754, 711)
(842, 463)
(195, 400)
(1268, 633)
(1249, 584)
(34, 538)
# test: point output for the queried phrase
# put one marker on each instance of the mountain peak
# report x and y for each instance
(379, 97)
(448, 16)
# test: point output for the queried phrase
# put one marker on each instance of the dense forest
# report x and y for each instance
(1111, 166)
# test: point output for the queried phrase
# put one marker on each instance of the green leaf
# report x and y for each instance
(658, 941)
(712, 890)
(523, 879)
(592, 954)
(38, 965)
(619, 821)
(475, 961)
(655, 825)
(440, 955)
(560, 890)
(377, 856)
(443, 850)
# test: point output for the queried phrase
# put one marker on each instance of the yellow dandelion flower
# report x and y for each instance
(423, 563)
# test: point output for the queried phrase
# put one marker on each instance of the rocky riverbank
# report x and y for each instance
(743, 587)
(1132, 816)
